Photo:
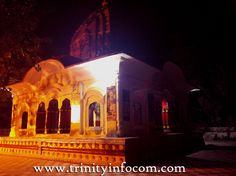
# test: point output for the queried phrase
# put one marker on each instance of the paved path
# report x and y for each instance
(228, 156)
(16, 166)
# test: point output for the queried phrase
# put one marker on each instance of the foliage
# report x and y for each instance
(20, 46)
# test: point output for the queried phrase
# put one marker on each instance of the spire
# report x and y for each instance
(92, 38)
(104, 3)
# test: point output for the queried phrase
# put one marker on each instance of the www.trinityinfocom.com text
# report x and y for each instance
(102, 170)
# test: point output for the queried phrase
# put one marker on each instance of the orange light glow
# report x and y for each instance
(13, 132)
(104, 71)
(75, 113)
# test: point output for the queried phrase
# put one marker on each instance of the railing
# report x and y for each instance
(103, 151)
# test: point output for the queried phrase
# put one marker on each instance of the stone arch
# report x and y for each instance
(94, 115)
(94, 92)
(94, 96)
(5, 111)
(65, 118)
(24, 120)
(41, 118)
(52, 117)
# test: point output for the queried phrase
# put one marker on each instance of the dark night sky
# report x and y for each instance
(160, 32)
(197, 35)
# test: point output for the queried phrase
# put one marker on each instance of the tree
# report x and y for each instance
(20, 46)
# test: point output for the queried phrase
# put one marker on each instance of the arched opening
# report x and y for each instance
(5, 111)
(165, 118)
(40, 119)
(52, 117)
(24, 120)
(94, 115)
(65, 120)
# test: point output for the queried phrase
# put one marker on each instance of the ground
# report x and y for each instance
(210, 162)
(215, 159)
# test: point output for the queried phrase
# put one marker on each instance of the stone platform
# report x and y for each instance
(102, 151)
(85, 150)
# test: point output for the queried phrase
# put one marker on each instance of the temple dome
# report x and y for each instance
(43, 69)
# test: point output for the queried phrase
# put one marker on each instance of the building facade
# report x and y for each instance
(114, 95)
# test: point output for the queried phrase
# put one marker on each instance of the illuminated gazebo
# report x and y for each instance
(102, 97)
(96, 108)
(83, 112)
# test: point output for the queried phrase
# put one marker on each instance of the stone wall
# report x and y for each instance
(86, 151)
(220, 133)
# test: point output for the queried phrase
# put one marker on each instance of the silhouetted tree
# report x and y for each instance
(20, 46)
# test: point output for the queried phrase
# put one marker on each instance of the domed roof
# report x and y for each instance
(44, 68)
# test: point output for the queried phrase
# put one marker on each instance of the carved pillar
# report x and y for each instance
(105, 116)
(59, 115)
(46, 109)
(82, 110)
(118, 119)
(31, 121)
(13, 121)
